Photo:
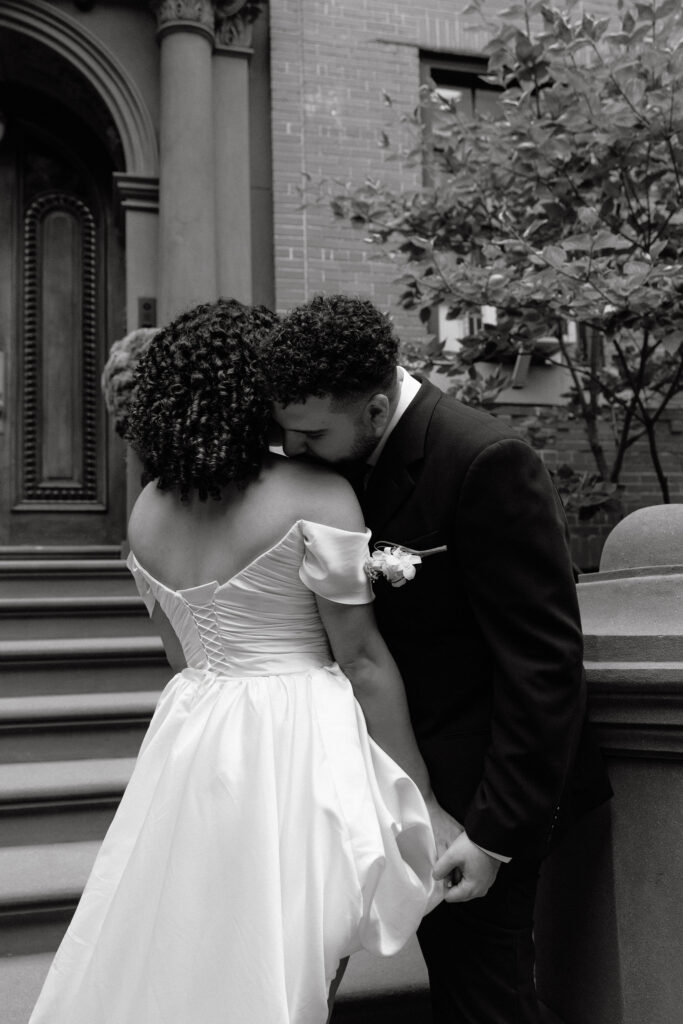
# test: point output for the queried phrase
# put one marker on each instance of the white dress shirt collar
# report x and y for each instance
(409, 388)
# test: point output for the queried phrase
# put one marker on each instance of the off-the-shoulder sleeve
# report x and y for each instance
(141, 582)
(333, 563)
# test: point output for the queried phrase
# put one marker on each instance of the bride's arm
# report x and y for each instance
(363, 656)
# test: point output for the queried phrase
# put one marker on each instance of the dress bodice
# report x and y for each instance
(263, 620)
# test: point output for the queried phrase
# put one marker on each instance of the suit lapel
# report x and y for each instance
(393, 478)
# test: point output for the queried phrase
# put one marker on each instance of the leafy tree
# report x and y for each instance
(565, 205)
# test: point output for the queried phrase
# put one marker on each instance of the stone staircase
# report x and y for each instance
(80, 672)
(81, 668)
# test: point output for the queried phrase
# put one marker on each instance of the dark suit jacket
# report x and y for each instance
(487, 635)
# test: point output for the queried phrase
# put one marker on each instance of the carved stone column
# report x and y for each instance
(187, 246)
(231, 146)
(139, 198)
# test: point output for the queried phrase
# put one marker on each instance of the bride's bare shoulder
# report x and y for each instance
(316, 492)
(151, 506)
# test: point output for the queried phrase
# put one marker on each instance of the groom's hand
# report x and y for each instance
(445, 827)
(469, 872)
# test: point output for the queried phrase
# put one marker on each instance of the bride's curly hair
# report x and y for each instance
(200, 416)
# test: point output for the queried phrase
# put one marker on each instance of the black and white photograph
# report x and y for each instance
(341, 511)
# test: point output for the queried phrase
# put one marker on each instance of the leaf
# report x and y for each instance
(645, 11)
(554, 255)
(628, 22)
(672, 341)
(637, 267)
(634, 91)
(601, 27)
(579, 243)
(588, 216)
(666, 8)
(524, 48)
(608, 240)
(618, 38)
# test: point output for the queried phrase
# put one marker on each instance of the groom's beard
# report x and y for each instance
(363, 446)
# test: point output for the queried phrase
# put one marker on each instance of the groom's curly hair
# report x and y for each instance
(335, 345)
(199, 419)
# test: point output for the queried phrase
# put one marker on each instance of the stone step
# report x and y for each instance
(65, 577)
(82, 665)
(26, 618)
(635, 647)
(39, 889)
(397, 1007)
(23, 552)
(60, 801)
(69, 727)
(21, 979)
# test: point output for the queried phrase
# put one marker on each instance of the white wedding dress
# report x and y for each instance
(263, 835)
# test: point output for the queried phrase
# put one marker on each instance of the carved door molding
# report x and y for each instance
(60, 429)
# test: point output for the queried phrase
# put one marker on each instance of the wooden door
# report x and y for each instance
(61, 471)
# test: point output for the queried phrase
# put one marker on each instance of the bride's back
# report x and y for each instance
(186, 544)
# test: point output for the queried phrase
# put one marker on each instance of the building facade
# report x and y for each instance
(156, 153)
(135, 181)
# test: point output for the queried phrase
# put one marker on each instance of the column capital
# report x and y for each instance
(137, 193)
(234, 20)
(184, 15)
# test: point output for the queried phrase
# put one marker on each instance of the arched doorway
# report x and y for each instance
(62, 303)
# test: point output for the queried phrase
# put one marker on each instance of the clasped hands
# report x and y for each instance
(468, 870)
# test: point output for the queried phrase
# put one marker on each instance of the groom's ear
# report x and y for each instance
(377, 413)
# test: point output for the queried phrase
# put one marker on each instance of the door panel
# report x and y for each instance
(61, 411)
(61, 275)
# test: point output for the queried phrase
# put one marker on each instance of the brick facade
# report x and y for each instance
(331, 63)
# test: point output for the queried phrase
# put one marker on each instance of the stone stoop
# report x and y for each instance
(81, 668)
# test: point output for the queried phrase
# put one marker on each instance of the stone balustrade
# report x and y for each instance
(610, 911)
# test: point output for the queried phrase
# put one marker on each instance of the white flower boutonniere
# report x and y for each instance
(395, 563)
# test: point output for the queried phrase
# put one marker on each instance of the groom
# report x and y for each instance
(487, 635)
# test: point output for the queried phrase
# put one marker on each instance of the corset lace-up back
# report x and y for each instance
(263, 620)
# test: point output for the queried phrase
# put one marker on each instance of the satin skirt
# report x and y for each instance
(263, 836)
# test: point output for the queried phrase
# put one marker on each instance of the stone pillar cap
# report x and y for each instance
(648, 537)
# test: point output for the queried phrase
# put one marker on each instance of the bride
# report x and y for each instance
(280, 816)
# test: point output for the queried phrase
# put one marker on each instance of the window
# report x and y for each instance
(459, 78)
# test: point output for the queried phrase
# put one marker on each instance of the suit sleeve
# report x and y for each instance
(512, 548)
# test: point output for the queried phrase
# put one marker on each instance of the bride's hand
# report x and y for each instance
(445, 827)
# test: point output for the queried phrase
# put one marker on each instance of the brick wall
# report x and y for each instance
(330, 64)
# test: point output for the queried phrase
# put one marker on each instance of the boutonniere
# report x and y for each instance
(397, 564)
